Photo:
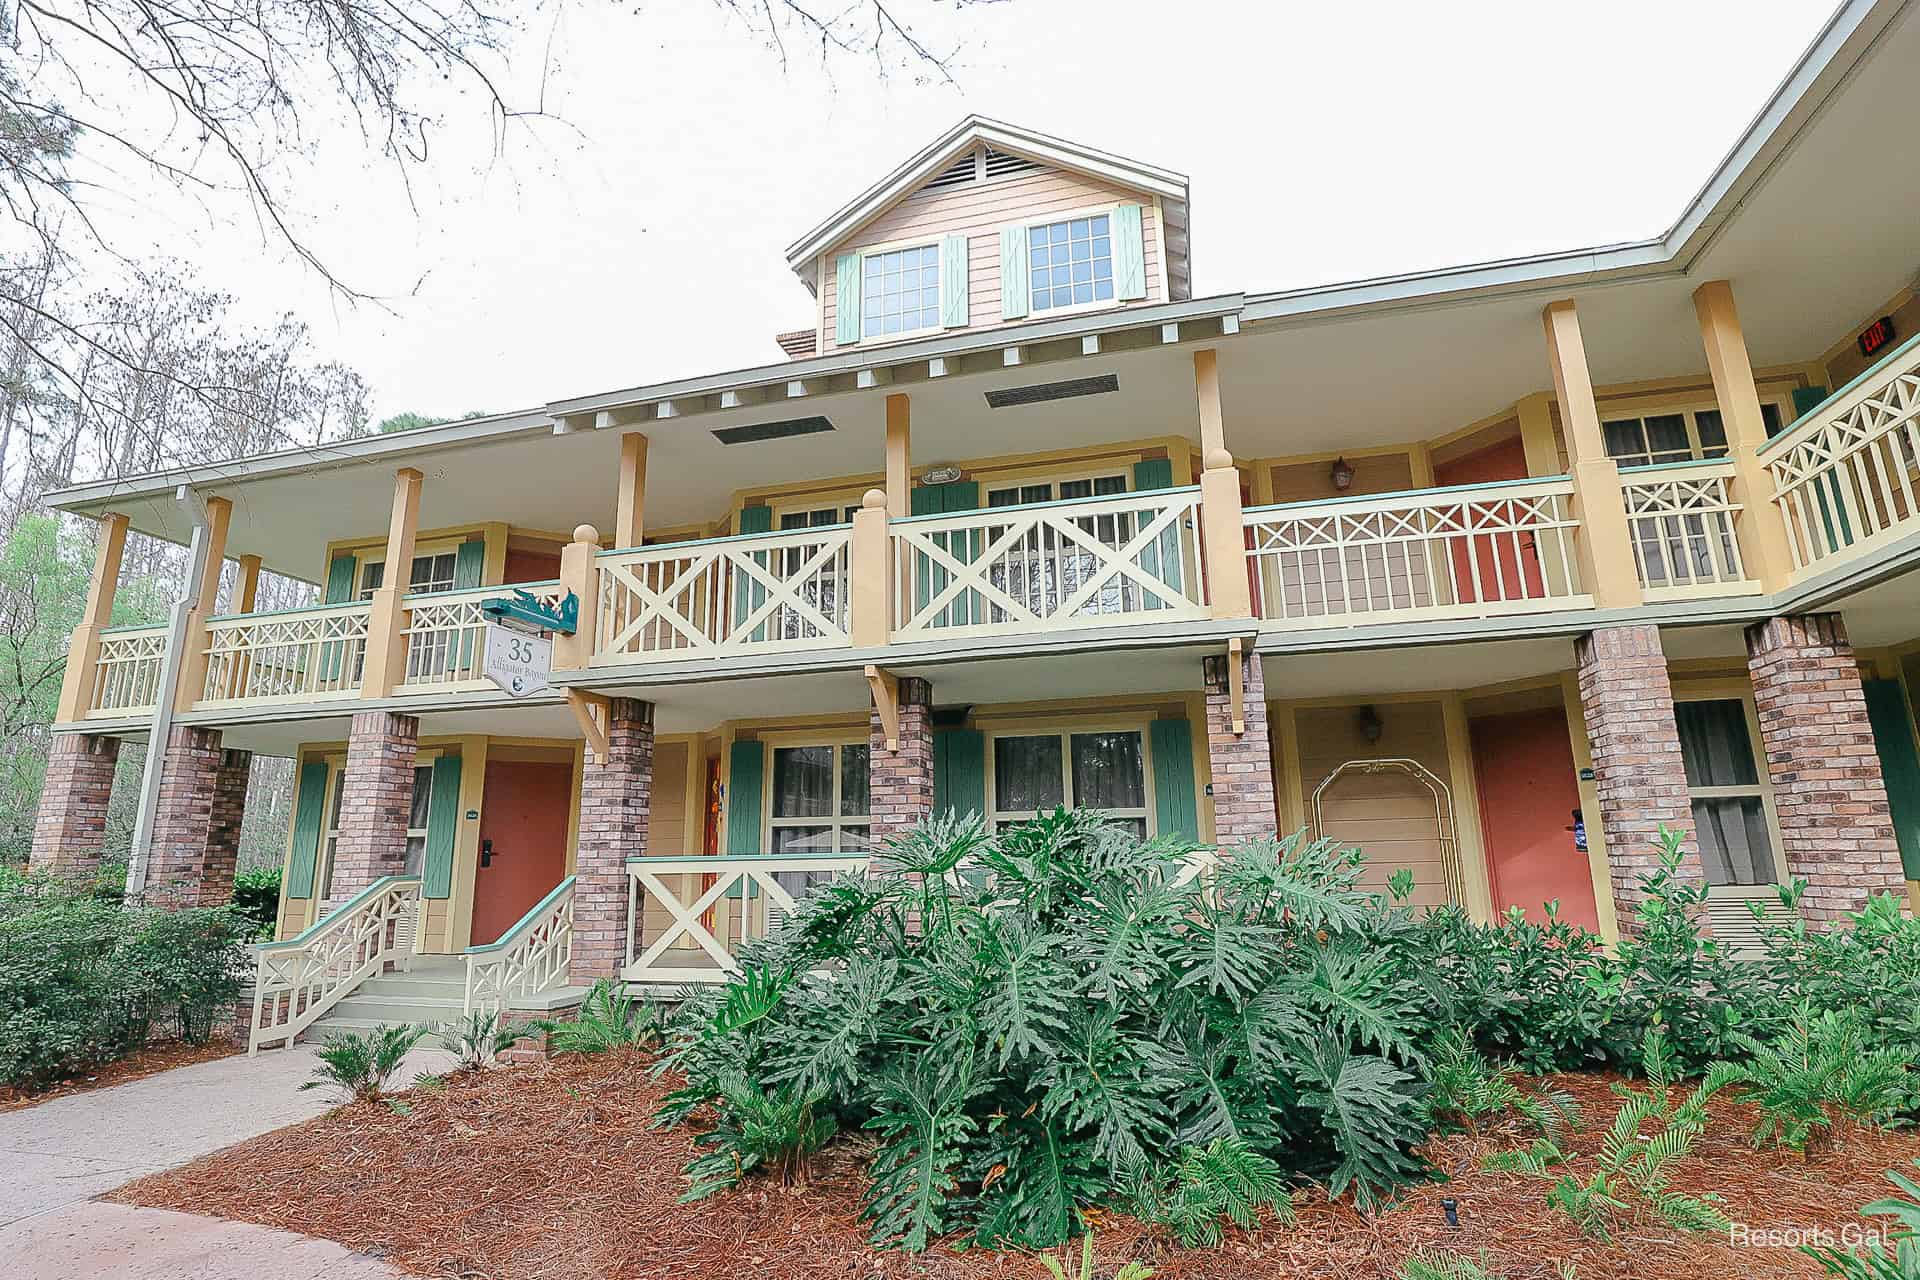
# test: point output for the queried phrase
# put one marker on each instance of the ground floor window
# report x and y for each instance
(1104, 769)
(820, 799)
(1729, 799)
(417, 817)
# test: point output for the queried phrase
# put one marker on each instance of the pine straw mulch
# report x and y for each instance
(160, 1056)
(551, 1172)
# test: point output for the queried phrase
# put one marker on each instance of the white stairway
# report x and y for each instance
(431, 991)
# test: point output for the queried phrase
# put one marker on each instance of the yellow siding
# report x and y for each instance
(667, 815)
(1312, 481)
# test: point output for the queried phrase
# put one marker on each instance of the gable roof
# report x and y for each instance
(931, 159)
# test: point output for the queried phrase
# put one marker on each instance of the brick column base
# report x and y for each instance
(1836, 829)
(900, 781)
(1242, 763)
(614, 801)
(1637, 769)
(376, 802)
(183, 819)
(71, 826)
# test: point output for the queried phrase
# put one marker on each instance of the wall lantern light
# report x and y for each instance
(1342, 474)
(1370, 724)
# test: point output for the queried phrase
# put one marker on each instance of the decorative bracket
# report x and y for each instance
(592, 713)
(1237, 684)
(886, 700)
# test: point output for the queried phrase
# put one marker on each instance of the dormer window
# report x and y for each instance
(900, 291)
(1072, 262)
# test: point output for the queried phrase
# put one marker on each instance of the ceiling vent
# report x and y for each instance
(1002, 164)
(1043, 391)
(754, 433)
(957, 174)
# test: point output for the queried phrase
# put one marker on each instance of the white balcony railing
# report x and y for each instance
(1680, 517)
(126, 674)
(446, 634)
(758, 593)
(1845, 475)
(686, 917)
(527, 959)
(1466, 552)
(1050, 566)
(293, 654)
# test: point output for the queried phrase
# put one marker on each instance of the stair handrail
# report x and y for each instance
(529, 958)
(298, 979)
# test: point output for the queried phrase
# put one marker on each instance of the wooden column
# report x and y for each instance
(572, 653)
(1536, 434)
(76, 686)
(206, 599)
(899, 456)
(386, 665)
(1206, 378)
(247, 587)
(629, 521)
(871, 612)
(1763, 535)
(1607, 569)
(1223, 532)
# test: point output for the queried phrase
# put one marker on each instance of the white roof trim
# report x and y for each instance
(929, 160)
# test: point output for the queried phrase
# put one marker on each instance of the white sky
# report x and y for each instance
(1324, 142)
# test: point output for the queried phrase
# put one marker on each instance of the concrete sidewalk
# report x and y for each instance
(57, 1155)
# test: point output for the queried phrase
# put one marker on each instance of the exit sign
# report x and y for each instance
(1877, 337)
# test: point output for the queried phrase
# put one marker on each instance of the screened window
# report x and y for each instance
(1681, 436)
(1729, 802)
(820, 517)
(430, 573)
(1072, 262)
(900, 291)
(820, 803)
(1104, 770)
(418, 815)
(1015, 495)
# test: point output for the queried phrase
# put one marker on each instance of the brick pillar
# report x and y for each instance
(376, 801)
(900, 781)
(1835, 826)
(614, 800)
(183, 819)
(71, 826)
(223, 831)
(1637, 770)
(1242, 763)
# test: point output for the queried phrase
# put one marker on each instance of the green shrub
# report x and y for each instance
(1463, 1087)
(1064, 1267)
(478, 1038)
(609, 1018)
(1224, 1179)
(758, 1129)
(1904, 1235)
(256, 897)
(361, 1063)
(1819, 1066)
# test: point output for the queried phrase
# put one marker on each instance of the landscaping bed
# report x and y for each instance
(553, 1170)
(155, 1058)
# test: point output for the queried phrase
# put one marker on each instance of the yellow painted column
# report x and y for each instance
(1607, 570)
(1223, 532)
(1206, 377)
(899, 456)
(386, 664)
(1469, 841)
(870, 610)
(193, 640)
(575, 652)
(247, 587)
(1597, 866)
(1536, 434)
(1763, 535)
(630, 518)
(76, 686)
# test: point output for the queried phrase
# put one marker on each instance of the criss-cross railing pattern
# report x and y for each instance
(1680, 518)
(126, 674)
(686, 917)
(298, 980)
(297, 653)
(446, 634)
(1050, 566)
(1504, 547)
(527, 959)
(1845, 476)
(752, 594)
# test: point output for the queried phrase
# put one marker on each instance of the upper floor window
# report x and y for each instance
(1015, 495)
(1680, 436)
(1072, 262)
(900, 291)
(818, 517)
(434, 572)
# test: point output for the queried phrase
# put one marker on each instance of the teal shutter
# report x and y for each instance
(1174, 810)
(443, 824)
(310, 801)
(1162, 560)
(1129, 254)
(1153, 473)
(964, 546)
(1806, 400)
(749, 595)
(469, 563)
(846, 299)
(746, 773)
(1013, 272)
(959, 772)
(340, 575)
(1899, 764)
(953, 282)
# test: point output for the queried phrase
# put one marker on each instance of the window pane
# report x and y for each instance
(1076, 488)
(371, 576)
(1714, 743)
(1109, 484)
(1770, 415)
(1713, 432)
(1108, 772)
(1624, 439)
(802, 840)
(856, 839)
(1735, 845)
(339, 789)
(422, 797)
(416, 855)
(1667, 434)
(854, 781)
(802, 782)
(1003, 497)
(1026, 774)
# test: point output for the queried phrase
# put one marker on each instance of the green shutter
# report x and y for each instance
(959, 772)
(953, 282)
(1899, 765)
(469, 563)
(1174, 811)
(746, 772)
(443, 824)
(1153, 473)
(340, 572)
(1013, 272)
(937, 499)
(749, 595)
(1806, 400)
(1129, 254)
(310, 802)
(1162, 560)
(846, 299)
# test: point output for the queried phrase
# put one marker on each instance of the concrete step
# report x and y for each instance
(332, 1022)
(376, 1009)
(411, 986)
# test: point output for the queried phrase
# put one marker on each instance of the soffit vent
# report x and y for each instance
(1001, 164)
(957, 174)
(756, 432)
(1043, 391)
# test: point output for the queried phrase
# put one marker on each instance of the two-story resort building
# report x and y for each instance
(1491, 570)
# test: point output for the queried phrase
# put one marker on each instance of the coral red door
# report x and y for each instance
(1528, 791)
(523, 841)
